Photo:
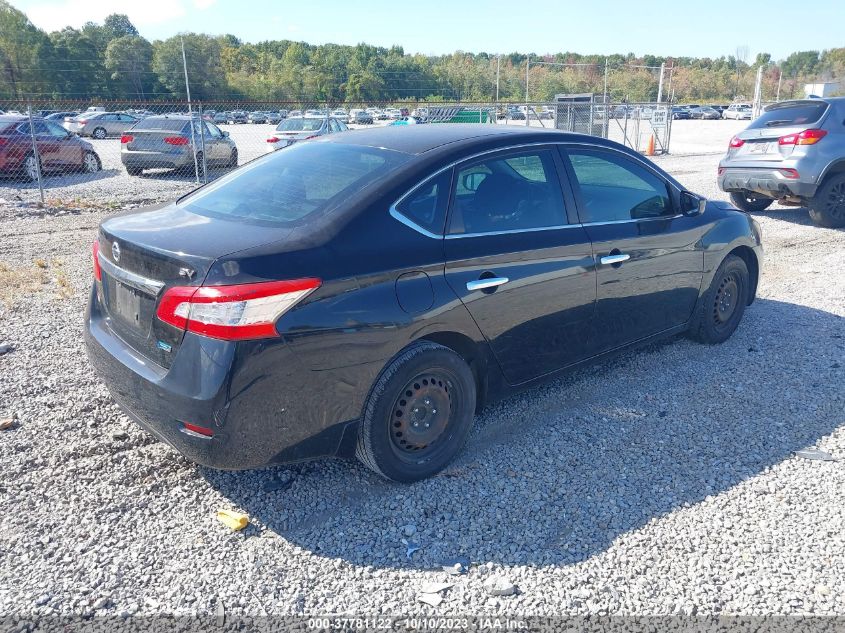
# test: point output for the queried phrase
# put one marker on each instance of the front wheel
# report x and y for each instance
(233, 160)
(723, 305)
(749, 202)
(418, 414)
(827, 208)
(31, 167)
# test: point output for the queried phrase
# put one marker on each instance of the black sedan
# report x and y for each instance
(366, 293)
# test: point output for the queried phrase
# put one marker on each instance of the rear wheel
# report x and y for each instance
(30, 167)
(91, 163)
(750, 203)
(99, 133)
(827, 207)
(418, 414)
(723, 305)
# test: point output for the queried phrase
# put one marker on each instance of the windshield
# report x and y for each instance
(793, 114)
(300, 125)
(287, 186)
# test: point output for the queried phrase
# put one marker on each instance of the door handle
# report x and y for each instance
(487, 282)
(616, 258)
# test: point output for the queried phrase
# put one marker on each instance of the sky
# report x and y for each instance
(697, 29)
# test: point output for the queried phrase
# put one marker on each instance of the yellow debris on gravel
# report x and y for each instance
(233, 520)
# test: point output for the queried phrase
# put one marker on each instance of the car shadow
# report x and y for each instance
(177, 175)
(57, 180)
(556, 474)
(796, 215)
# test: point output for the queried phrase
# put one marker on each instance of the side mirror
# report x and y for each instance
(692, 204)
(225, 133)
(471, 182)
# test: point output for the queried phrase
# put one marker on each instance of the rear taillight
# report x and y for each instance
(176, 140)
(81, 122)
(736, 142)
(273, 139)
(240, 312)
(789, 173)
(196, 428)
(807, 137)
(127, 138)
(95, 248)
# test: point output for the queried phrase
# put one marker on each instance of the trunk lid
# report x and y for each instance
(143, 253)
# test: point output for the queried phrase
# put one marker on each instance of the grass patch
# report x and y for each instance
(18, 282)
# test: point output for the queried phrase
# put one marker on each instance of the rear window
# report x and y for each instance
(300, 125)
(288, 185)
(162, 124)
(783, 116)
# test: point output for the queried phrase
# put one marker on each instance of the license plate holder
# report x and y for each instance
(127, 305)
(760, 148)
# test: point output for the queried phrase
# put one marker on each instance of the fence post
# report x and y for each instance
(202, 147)
(35, 152)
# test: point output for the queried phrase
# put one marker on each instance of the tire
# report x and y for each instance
(233, 161)
(394, 439)
(99, 133)
(134, 170)
(29, 167)
(91, 163)
(749, 202)
(723, 305)
(827, 207)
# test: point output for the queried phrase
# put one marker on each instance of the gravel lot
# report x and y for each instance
(662, 482)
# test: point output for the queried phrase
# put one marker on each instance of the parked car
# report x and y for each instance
(220, 117)
(704, 112)
(515, 114)
(738, 111)
(294, 113)
(362, 117)
(58, 149)
(59, 117)
(794, 152)
(273, 118)
(408, 120)
(100, 125)
(720, 108)
(237, 116)
(167, 142)
(226, 321)
(256, 117)
(295, 129)
(680, 113)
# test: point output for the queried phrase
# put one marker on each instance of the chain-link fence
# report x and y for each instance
(152, 150)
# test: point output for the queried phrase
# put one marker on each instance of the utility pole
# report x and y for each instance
(498, 59)
(527, 68)
(757, 104)
(780, 76)
(605, 80)
(190, 112)
(660, 83)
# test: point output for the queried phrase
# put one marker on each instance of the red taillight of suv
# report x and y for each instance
(126, 138)
(736, 142)
(95, 250)
(273, 139)
(233, 313)
(807, 137)
(176, 140)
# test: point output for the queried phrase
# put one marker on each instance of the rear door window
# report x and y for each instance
(509, 192)
(785, 116)
(284, 188)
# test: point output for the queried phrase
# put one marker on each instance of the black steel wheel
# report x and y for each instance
(750, 203)
(418, 414)
(827, 208)
(721, 308)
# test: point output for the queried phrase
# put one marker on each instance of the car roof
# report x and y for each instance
(17, 118)
(418, 139)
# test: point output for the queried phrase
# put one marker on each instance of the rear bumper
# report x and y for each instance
(771, 183)
(256, 407)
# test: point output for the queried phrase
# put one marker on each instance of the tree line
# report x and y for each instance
(112, 61)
